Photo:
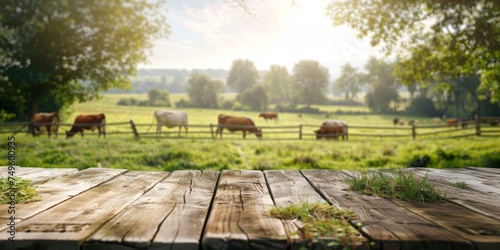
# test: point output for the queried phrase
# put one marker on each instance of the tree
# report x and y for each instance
(383, 86)
(310, 82)
(159, 98)
(349, 82)
(242, 75)
(276, 83)
(63, 51)
(203, 91)
(432, 38)
(255, 97)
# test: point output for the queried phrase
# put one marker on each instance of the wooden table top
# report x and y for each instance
(102, 208)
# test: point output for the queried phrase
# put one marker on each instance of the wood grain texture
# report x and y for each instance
(172, 213)
(290, 187)
(74, 220)
(56, 191)
(482, 231)
(477, 196)
(37, 175)
(381, 220)
(239, 215)
(491, 170)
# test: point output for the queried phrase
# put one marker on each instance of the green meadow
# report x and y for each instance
(232, 152)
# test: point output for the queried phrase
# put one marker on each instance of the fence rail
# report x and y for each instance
(481, 126)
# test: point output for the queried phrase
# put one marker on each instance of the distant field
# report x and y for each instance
(200, 119)
(168, 154)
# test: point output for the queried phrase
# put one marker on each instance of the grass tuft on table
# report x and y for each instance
(18, 190)
(326, 225)
(394, 184)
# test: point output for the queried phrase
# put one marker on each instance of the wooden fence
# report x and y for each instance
(481, 126)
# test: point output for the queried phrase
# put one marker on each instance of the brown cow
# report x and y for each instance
(395, 121)
(332, 129)
(269, 116)
(452, 122)
(237, 123)
(90, 122)
(46, 122)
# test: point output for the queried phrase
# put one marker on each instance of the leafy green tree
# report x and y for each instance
(159, 98)
(242, 75)
(310, 82)
(383, 86)
(276, 83)
(255, 98)
(71, 50)
(349, 82)
(203, 91)
(432, 38)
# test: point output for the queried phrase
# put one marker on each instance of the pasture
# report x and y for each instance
(167, 154)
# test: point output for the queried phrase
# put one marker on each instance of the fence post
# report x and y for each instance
(413, 131)
(478, 125)
(300, 132)
(212, 130)
(346, 133)
(134, 129)
(31, 128)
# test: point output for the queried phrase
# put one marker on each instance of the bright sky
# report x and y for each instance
(214, 33)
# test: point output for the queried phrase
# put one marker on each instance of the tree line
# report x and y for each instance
(447, 53)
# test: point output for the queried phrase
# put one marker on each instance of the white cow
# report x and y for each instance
(170, 119)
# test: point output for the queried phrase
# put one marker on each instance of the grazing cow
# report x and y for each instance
(326, 115)
(452, 122)
(436, 120)
(269, 115)
(395, 121)
(299, 116)
(401, 123)
(170, 119)
(89, 122)
(332, 129)
(46, 122)
(237, 123)
(463, 122)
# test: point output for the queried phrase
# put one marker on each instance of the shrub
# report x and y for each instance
(182, 103)
(491, 160)
(308, 110)
(228, 104)
(127, 102)
(419, 161)
(422, 106)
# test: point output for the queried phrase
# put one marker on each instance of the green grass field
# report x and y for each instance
(167, 154)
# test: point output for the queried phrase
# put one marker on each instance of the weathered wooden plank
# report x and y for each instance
(45, 174)
(482, 231)
(481, 187)
(19, 171)
(290, 187)
(491, 170)
(172, 213)
(478, 181)
(66, 225)
(58, 190)
(239, 216)
(388, 225)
